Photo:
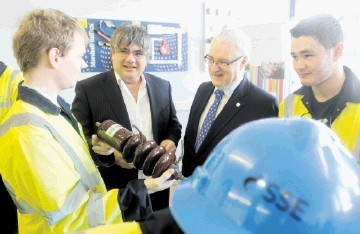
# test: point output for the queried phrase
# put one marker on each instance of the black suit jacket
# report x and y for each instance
(254, 103)
(99, 98)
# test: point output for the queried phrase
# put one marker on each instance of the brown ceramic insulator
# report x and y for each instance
(131, 144)
(114, 134)
(151, 159)
(142, 152)
(163, 164)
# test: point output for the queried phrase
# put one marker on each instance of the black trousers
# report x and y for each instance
(160, 200)
(8, 222)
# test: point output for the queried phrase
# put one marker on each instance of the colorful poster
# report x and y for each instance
(169, 45)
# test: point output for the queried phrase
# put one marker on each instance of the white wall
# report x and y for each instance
(349, 16)
(187, 13)
(184, 84)
(190, 15)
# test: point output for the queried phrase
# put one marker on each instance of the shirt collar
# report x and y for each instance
(228, 91)
(349, 85)
(122, 84)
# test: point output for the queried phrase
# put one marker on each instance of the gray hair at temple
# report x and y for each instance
(237, 37)
(325, 28)
(128, 34)
(41, 30)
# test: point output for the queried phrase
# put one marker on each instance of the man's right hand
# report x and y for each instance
(102, 148)
(120, 161)
(158, 184)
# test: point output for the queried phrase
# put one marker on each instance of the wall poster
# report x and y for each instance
(169, 45)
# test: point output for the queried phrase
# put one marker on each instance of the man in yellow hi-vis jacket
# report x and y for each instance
(9, 80)
(330, 91)
(45, 161)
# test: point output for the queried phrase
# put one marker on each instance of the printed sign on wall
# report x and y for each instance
(168, 45)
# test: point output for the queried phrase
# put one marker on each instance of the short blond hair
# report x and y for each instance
(39, 31)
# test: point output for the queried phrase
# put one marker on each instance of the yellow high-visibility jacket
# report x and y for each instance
(9, 80)
(121, 228)
(48, 170)
(345, 121)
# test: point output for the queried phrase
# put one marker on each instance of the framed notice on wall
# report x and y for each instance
(169, 45)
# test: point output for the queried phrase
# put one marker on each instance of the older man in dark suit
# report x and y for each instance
(226, 102)
(128, 96)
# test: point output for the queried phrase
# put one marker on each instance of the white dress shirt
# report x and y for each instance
(139, 111)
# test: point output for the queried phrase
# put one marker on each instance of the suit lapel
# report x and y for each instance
(200, 103)
(114, 97)
(235, 104)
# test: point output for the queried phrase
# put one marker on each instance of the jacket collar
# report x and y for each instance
(35, 98)
(2, 68)
(351, 85)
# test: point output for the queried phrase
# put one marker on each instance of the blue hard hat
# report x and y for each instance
(273, 176)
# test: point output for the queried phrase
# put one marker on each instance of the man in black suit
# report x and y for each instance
(128, 96)
(241, 101)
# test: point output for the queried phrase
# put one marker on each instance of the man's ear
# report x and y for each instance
(338, 51)
(244, 62)
(54, 55)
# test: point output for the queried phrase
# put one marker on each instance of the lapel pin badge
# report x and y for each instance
(237, 104)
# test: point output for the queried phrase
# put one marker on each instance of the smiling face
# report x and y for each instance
(129, 63)
(312, 62)
(223, 76)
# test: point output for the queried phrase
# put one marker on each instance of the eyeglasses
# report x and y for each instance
(220, 63)
(138, 54)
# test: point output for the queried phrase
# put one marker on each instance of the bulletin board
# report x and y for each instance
(169, 45)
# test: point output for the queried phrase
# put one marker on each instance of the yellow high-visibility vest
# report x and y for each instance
(347, 123)
(9, 81)
(47, 169)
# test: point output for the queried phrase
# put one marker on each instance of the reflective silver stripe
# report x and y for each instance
(74, 199)
(7, 103)
(88, 181)
(95, 205)
(72, 202)
(91, 180)
(356, 152)
(288, 106)
(13, 74)
(21, 205)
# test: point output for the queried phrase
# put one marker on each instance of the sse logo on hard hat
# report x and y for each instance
(283, 200)
(273, 176)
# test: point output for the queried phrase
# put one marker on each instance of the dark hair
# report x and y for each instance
(128, 34)
(325, 28)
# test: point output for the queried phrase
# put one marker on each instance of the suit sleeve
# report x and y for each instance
(134, 201)
(160, 222)
(188, 145)
(190, 135)
(82, 112)
(174, 126)
(272, 109)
